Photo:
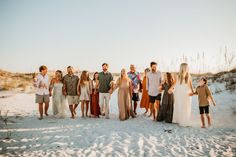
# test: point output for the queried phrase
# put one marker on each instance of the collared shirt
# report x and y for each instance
(203, 94)
(136, 79)
(153, 83)
(71, 84)
(105, 79)
(43, 80)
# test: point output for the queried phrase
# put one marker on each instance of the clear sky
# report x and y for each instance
(86, 33)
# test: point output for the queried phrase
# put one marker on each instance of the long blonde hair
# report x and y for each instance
(121, 76)
(184, 74)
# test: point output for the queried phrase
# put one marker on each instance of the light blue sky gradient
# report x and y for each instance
(87, 33)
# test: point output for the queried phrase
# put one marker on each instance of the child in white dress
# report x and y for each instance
(85, 90)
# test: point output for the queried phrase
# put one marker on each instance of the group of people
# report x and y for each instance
(166, 98)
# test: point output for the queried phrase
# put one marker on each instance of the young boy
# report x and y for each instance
(204, 94)
(41, 82)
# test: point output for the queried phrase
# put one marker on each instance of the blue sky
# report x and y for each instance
(85, 34)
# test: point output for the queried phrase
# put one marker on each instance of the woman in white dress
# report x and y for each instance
(183, 90)
(85, 90)
(58, 99)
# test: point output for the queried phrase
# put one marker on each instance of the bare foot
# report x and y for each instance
(40, 118)
(149, 115)
(72, 117)
(203, 126)
(145, 113)
(133, 116)
(46, 114)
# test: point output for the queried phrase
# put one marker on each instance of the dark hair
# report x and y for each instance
(69, 67)
(42, 67)
(94, 75)
(60, 72)
(104, 64)
(204, 79)
(170, 79)
(147, 70)
(153, 63)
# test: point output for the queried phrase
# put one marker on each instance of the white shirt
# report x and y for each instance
(153, 83)
(43, 80)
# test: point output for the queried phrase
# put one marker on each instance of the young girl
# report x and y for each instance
(58, 99)
(84, 88)
(166, 111)
(94, 104)
(204, 93)
(145, 98)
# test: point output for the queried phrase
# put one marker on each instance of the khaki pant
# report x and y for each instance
(42, 99)
(72, 99)
(104, 103)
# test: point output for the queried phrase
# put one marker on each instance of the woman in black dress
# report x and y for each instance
(166, 109)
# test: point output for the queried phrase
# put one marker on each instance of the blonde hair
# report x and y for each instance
(123, 69)
(184, 74)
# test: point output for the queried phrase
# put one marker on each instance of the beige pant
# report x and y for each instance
(104, 103)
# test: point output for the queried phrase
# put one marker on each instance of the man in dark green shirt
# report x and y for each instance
(70, 90)
(105, 90)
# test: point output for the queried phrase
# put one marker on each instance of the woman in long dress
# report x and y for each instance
(58, 99)
(94, 103)
(166, 109)
(145, 97)
(182, 89)
(124, 86)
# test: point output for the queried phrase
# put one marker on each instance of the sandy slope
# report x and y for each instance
(101, 137)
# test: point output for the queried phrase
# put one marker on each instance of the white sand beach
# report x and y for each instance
(25, 135)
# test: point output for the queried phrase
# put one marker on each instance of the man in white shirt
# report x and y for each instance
(41, 82)
(153, 87)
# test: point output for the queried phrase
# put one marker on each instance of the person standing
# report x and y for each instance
(105, 80)
(153, 86)
(124, 85)
(58, 99)
(204, 98)
(136, 80)
(85, 90)
(182, 89)
(41, 82)
(145, 98)
(70, 90)
(94, 103)
(166, 109)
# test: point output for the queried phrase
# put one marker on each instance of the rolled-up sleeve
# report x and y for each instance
(36, 83)
(208, 91)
